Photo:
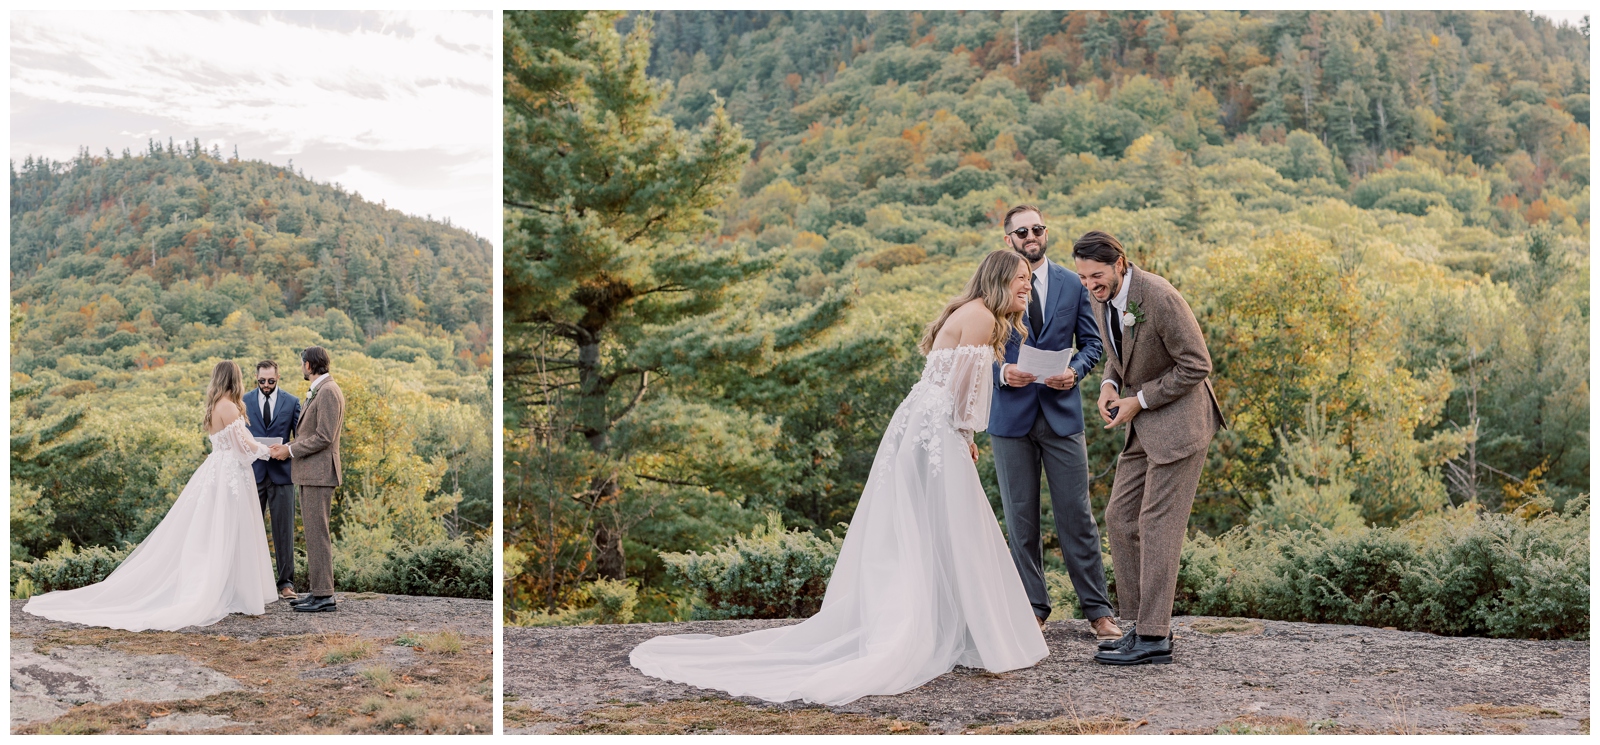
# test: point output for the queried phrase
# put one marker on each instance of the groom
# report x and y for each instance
(1156, 382)
(272, 413)
(315, 468)
(1036, 422)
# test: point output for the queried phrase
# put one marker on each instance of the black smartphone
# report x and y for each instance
(1113, 411)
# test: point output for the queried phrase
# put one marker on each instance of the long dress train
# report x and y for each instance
(206, 559)
(924, 581)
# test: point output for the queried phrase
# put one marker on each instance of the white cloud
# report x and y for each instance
(394, 91)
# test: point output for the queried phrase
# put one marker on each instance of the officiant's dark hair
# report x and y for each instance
(264, 364)
(1005, 223)
(318, 358)
(1098, 246)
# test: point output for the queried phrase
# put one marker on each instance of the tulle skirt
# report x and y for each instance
(208, 558)
(924, 582)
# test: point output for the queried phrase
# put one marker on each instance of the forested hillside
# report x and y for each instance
(133, 274)
(1381, 220)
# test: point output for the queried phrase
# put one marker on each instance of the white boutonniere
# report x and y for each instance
(1132, 315)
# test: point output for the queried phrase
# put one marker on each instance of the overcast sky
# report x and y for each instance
(402, 107)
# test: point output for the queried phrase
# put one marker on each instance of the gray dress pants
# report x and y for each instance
(1065, 461)
(278, 499)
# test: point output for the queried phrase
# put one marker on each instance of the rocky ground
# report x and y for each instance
(1229, 676)
(381, 663)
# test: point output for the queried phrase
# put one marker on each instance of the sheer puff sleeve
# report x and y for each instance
(237, 440)
(971, 381)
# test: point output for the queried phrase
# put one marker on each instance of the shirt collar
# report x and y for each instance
(1120, 302)
(318, 381)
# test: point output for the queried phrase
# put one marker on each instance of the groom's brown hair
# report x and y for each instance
(317, 357)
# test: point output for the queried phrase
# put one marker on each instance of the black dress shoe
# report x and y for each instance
(1126, 641)
(318, 605)
(302, 600)
(1141, 652)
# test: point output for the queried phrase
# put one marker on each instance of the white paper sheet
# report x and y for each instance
(269, 441)
(1043, 363)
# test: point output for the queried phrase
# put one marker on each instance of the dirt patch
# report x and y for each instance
(723, 717)
(265, 680)
(360, 614)
(1230, 676)
(1227, 626)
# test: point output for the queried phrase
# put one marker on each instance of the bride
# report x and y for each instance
(207, 558)
(924, 581)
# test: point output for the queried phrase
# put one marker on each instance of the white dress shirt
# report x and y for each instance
(268, 398)
(1120, 303)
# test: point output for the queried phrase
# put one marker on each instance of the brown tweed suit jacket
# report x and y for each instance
(1165, 357)
(316, 444)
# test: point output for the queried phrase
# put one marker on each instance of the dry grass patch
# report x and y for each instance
(444, 642)
(523, 715)
(727, 717)
(1227, 626)
(453, 697)
(340, 651)
(379, 677)
(1494, 711)
(1067, 725)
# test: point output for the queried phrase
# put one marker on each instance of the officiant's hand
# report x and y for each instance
(1017, 378)
(1127, 409)
(1064, 381)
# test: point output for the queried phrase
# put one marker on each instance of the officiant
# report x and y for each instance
(273, 414)
(1036, 423)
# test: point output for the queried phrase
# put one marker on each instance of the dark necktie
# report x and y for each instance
(1035, 312)
(1115, 324)
(266, 413)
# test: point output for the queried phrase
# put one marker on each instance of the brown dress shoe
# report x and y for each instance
(287, 593)
(1105, 629)
(1041, 622)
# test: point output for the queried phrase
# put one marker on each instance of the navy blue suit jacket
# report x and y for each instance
(285, 414)
(1068, 322)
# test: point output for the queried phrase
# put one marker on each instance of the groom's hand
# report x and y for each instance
(1108, 397)
(1064, 381)
(1127, 409)
(1017, 378)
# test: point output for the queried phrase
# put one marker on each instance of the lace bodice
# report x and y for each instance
(953, 394)
(236, 441)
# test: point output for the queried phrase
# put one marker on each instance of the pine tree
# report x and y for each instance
(606, 285)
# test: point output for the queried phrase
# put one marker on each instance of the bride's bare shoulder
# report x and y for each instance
(974, 322)
(224, 413)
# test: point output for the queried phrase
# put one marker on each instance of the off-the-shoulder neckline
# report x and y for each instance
(958, 347)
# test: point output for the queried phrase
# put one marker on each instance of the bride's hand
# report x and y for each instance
(972, 447)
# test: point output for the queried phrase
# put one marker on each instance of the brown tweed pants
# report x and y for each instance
(315, 504)
(1146, 519)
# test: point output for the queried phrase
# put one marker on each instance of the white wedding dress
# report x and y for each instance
(206, 559)
(924, 581)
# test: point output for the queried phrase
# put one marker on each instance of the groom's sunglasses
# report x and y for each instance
(1021, 233)
(266, 381)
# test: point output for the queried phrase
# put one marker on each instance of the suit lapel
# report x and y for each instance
(1052, 295)
(1130, 335)
(252, 408)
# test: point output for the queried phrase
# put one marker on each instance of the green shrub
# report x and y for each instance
(600, 601)
(1457, 573)
(771, 573)
(451, 568)
(65, 568)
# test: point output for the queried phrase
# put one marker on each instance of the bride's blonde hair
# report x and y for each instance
(226, 382)
(992, 284)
